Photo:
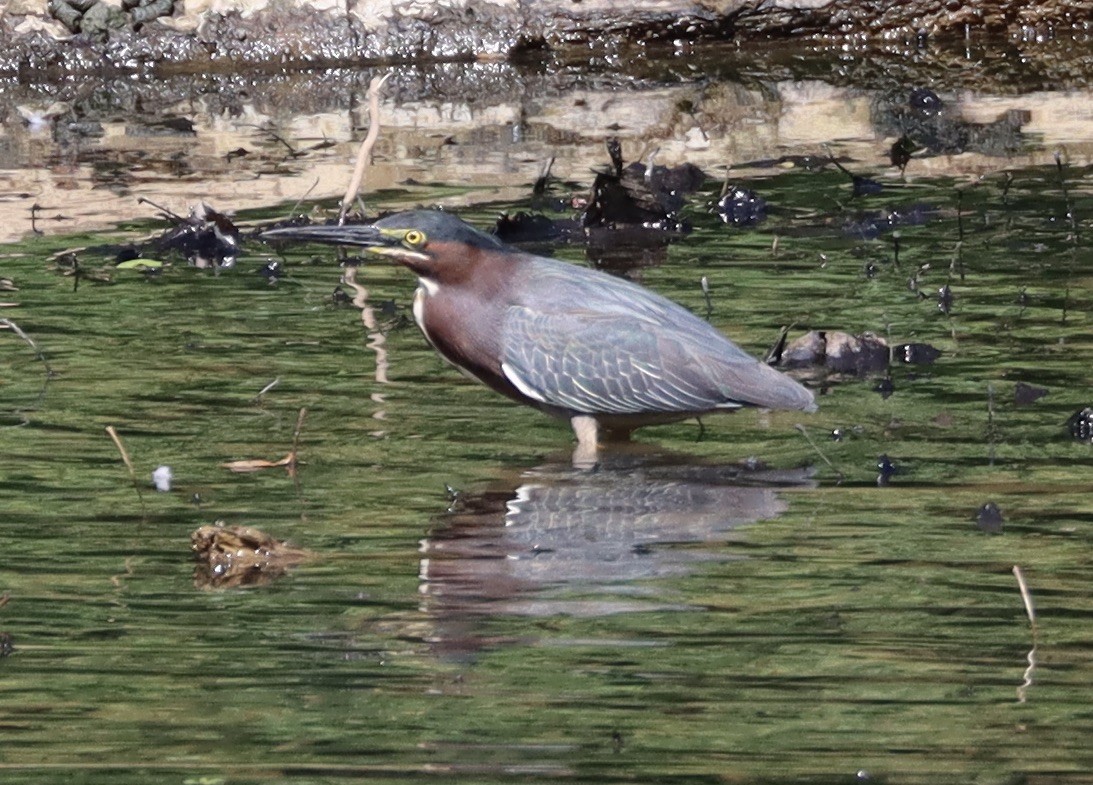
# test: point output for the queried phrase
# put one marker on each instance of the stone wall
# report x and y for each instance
(82, 35)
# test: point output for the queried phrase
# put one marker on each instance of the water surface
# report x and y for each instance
(738, 602)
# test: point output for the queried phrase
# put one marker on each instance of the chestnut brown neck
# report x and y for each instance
(457, 265)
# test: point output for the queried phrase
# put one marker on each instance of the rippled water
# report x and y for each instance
(741, 602)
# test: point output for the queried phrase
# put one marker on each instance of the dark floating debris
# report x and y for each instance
(632, 196)
(901, 152)
(1027, 394)
(272, 271)
(860, 186)
(542, 182)
(871, 225)
(1080, 425)
(231, 556)
(916, 353)
(945, 299)
(886, 469)
(989, 518)
(628, 206)
(810, 163)
(742, 207)
(838, 352)
(634, 205)
(127, 253)
(924, 102)
(206, 238)
(614, 203)
(686, 178)
(543, 198)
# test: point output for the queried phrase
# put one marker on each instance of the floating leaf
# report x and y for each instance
(257, 464)
(140, 264)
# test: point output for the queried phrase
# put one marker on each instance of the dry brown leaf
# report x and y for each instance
(258, 464)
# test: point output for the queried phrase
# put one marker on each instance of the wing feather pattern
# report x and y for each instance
(623, 350)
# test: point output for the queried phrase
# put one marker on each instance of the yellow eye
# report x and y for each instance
(414, 238)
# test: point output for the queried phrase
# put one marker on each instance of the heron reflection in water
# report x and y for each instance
(558, 541)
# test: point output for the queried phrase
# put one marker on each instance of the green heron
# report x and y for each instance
(576, 343)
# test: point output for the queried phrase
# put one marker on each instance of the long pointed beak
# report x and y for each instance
(362, 235)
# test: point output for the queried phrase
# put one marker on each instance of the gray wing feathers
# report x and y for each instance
(581, 364)
(617, 365)
(622, 349)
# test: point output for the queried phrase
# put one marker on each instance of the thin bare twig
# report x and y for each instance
(8, 324)
(167, 213)
(257, 398)
(1026, 596)
(365, 152)
(292, 151)
(801, 429)
(296, 432)
(1030, 671)
(293, 467)
(290, 461)
(299, 201)
(113, 434)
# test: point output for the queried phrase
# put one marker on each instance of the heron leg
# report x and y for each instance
(587, 431)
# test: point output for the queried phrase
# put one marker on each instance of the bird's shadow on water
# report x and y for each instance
(555, 540)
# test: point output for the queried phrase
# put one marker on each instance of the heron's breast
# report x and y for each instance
(426, 288)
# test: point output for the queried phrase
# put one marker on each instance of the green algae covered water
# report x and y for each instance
(750, 601)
